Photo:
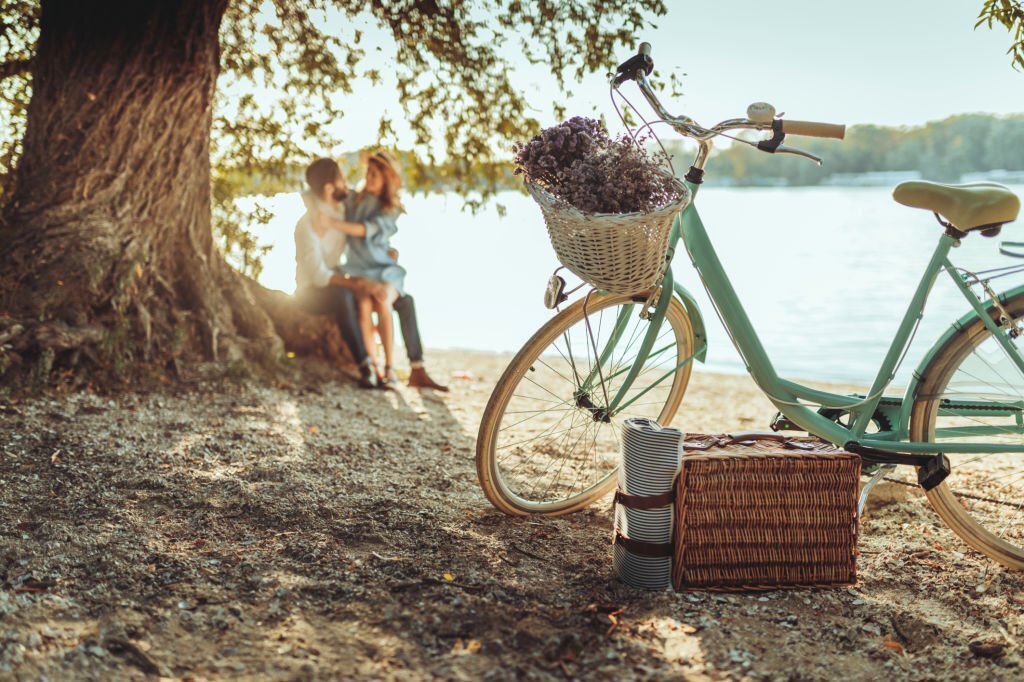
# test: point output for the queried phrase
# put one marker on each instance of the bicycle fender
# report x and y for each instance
(915, 378)
(700, 336)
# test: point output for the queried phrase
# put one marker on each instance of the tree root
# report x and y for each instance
(34, 353)
(304, 334)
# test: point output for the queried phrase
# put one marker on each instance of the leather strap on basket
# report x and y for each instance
(641, 547)
(644, 501)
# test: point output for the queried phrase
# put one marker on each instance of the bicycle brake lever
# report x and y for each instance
(783, 149)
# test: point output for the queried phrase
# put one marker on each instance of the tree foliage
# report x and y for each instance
(19, 27)
(1010, 15)
(286, 66)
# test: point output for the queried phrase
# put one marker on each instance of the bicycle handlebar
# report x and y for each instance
(813, 129)
(639, 66)
(628, 69)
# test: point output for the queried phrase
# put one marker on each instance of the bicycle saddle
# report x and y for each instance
(977, 206)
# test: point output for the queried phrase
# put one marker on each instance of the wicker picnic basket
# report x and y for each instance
(621, 253)
(763, 511)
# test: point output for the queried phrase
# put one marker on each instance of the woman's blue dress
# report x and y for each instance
(368, 256)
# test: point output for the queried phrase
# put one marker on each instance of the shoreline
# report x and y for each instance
(714, 402)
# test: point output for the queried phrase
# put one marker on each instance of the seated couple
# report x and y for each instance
(358, 225)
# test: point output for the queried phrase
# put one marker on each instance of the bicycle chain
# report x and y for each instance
(980, 408)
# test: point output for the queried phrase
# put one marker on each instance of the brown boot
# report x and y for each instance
(418, 378)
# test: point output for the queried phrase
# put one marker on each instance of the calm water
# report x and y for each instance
(824, 272)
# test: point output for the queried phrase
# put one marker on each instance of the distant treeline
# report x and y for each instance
(473, 180)
(942, 151)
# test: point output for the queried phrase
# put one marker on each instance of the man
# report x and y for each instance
(320, 237)
(319, 243)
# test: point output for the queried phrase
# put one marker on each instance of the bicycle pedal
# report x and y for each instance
(934, 472)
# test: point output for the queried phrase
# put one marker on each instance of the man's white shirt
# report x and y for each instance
(316, 257)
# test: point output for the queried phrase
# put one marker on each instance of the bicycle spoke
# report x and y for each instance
(506, 428)
(542, 400)
(523, 462)
(565, 459)
(564, 402)
(556, 371)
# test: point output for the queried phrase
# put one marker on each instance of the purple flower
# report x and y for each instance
(578, 162)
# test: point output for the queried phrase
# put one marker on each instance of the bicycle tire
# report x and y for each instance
(969, 501)
(506, 494)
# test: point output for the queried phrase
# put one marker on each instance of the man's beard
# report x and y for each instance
(339, 194)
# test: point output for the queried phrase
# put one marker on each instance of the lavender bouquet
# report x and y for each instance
(579, 163)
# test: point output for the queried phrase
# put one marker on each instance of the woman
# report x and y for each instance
(377, 206)
(320, 236)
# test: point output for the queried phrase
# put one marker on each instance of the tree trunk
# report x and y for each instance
(108, 252)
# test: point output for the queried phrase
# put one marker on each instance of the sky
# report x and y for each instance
(894, 62)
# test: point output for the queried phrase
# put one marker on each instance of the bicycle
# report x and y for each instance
(549, 438)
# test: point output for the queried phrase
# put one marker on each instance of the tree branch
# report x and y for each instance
(15, 67)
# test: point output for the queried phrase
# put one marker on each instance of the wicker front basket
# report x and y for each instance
(753, 513)
(621, 253)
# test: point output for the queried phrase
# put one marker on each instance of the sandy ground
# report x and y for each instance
(237, 531)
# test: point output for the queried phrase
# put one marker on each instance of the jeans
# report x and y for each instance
(406, 309)
(339, 303)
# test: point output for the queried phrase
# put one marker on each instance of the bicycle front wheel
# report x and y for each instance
(548, 442)
(972, 391)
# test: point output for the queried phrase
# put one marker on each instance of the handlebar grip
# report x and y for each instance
(641, 60)
(813, 129)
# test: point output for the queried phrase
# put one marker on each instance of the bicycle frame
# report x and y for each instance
(787, 395)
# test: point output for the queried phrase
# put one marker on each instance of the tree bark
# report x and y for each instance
(108, 251)
(15, 67)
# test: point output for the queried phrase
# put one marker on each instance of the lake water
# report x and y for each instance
(825, 273)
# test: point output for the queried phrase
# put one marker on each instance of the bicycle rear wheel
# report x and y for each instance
(547, 443)
(973, 392)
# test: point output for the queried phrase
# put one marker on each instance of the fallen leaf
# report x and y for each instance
(314, 429)
(890, 643)
(991, 648)
(470, 646)
(448, 576)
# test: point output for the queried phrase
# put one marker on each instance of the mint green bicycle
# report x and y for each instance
(549, 438)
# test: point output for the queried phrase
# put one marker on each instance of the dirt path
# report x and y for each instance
(244, 532)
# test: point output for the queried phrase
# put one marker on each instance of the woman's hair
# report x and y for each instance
(385, 164)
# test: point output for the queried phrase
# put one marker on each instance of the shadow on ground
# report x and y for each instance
(241, 531)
